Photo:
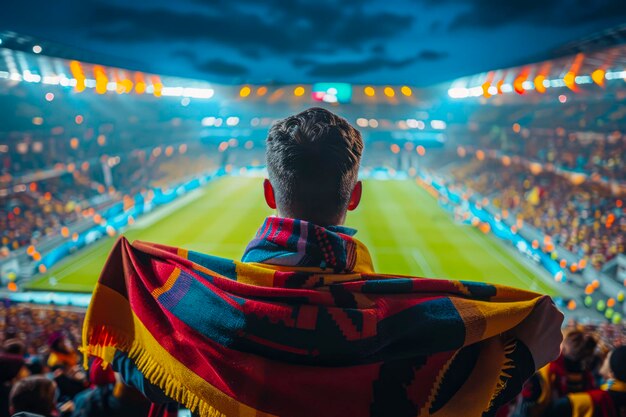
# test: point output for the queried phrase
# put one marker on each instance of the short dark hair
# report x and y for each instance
(34, 394)
(313, 162)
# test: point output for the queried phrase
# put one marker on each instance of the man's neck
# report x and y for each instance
(339, 221)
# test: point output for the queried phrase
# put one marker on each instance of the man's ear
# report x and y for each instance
(268, 191)
(355, 197)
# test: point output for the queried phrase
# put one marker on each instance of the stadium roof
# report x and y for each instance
(30, 44)
(594, 42)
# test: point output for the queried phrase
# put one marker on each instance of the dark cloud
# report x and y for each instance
(357, 67)
(378, 49)
(430, 55)
(281, 28)
(436, 26)
(216, 66)
(489, 14)
(183, 53)
(222, 67)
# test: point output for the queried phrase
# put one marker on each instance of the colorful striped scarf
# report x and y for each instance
(303, 326)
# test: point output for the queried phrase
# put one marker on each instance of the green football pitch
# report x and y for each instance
(402, 225)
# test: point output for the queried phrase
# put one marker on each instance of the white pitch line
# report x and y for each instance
(143, 222)
(422, 262)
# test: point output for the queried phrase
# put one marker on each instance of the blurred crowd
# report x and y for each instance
(594, 154)
(586, 219)
(41, 210)
(47, 207)
(41, 369)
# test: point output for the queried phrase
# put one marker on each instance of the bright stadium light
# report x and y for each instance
(476, 91)
(64, 81)
(245, 91)
(458, 92)
(208, 121)
(598, 76)
(362, 122)
(299, 91)
(30, 77)
(615, 75)
(172, 91)
(438, 124)
(37, 49)
(198, 92)
(557, 83)
(51, 80)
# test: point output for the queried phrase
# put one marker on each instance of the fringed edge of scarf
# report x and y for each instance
(149, 368)
(504, 377)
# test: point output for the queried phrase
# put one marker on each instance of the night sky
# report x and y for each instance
(418, 42)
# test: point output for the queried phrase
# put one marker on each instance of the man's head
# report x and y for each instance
(313, 162)
(35, 394)
(578, 346)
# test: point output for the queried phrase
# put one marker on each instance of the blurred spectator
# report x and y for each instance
(62, 352)
(34, 394)
(109, 397)
(11, 370)
(569, 373)
(572, 372)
